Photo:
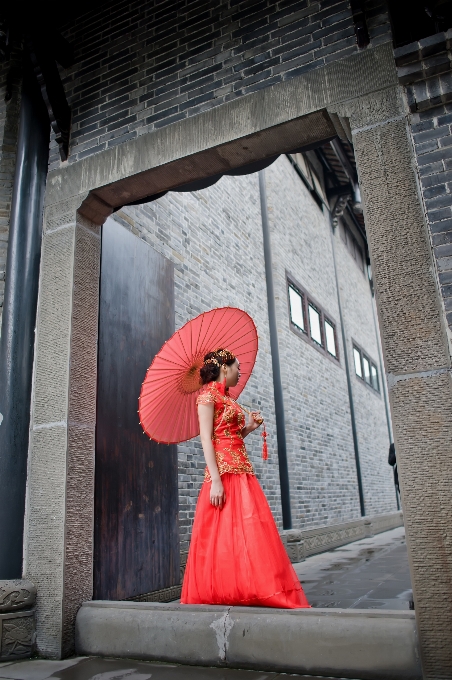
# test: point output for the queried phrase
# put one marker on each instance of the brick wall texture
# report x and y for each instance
(320, 447)
(214, 238)
(143, 65)
(432, 137)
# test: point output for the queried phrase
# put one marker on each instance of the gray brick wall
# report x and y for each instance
(432, 137)
(320, 446)
(9, 120)
(370, 412)
(214, 238)
(143, 65)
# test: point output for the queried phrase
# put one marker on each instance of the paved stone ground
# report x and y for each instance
(368, 574)
(89, 668)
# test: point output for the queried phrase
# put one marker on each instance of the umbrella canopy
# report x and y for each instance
(167, 403)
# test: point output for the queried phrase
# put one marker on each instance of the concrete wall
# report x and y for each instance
(144, 65)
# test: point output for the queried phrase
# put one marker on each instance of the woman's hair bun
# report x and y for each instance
(213, 361)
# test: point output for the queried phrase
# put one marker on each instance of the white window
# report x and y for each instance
(314, 324)
(308, 317)
(296, 308)
(357, 358)
(366, 366)
(366, 369)
(374, 376)
(330, 338)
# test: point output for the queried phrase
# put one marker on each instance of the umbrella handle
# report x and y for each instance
(248, 411)
(263, 434)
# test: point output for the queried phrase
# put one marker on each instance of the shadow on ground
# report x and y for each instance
(369, 574)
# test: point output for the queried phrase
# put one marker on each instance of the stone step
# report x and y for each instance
(359, 644)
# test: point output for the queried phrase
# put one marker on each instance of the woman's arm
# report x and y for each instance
(254, 421)
(205, 415)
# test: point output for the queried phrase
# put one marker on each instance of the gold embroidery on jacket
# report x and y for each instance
(227, 439)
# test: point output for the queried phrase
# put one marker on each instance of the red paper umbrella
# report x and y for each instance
(167, 403)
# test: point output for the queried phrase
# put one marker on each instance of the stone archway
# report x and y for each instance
(362, 91)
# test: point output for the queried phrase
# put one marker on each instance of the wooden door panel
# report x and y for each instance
(136, 538)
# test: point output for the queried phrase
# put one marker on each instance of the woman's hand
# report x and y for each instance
(255, 420)
(217, 494)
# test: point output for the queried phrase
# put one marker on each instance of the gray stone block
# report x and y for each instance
(341, 643)
(17, 635)
(17, 619)
(16, 594)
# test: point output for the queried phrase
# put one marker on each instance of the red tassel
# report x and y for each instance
(264, 445)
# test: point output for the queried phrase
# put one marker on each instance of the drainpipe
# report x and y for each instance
(383, 382)
(277, 384)
(19, 317)
(349, 382)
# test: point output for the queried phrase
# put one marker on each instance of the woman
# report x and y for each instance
(236, 556)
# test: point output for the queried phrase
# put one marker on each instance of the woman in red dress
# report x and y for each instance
(236, 556)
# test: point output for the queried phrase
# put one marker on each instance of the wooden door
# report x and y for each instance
(136, 537)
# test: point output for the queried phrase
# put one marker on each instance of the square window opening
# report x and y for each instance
(366, 367)
(330, 338)
(296, 309)
(357, 359)
(374, 376)
(314, 325)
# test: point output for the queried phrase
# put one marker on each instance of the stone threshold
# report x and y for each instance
(301, 544)
(318, 642)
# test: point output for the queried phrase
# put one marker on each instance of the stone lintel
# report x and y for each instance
(357, 75)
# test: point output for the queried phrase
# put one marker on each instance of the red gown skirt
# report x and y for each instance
(236, 555)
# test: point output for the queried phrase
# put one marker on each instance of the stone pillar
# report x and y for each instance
(417, 359)
(60, 495)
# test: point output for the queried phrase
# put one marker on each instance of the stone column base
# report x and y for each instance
(17, 619)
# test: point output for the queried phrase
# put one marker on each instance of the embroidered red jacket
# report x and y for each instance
(228, 422)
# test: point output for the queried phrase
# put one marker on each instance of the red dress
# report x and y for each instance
(236, 555)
